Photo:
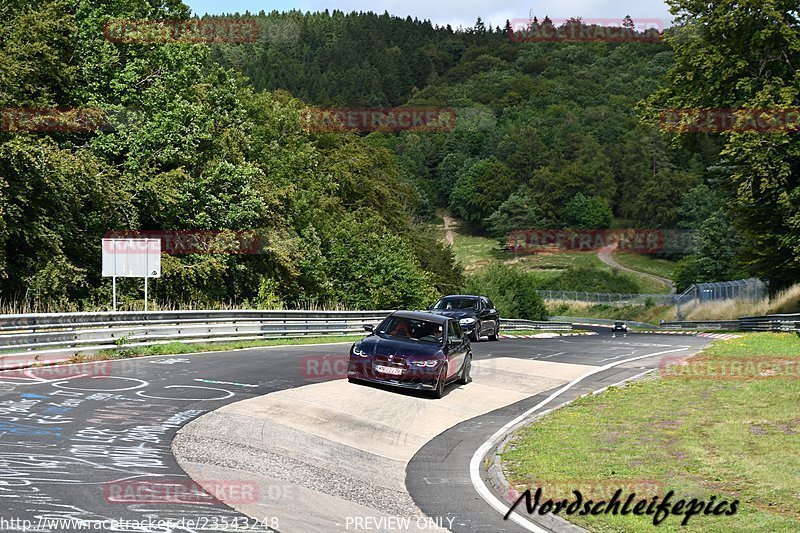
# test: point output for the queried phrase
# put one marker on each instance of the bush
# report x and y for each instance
(512, 291)
(586, 212)
(372, 269)
(592, 280)
(481, 190)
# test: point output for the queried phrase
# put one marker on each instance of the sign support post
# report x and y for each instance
(114, 285)
(131, 258)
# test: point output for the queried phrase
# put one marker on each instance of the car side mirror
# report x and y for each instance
(369, 328)
(430, 308)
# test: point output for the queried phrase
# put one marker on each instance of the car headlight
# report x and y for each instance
(429, 364)
(466, 321)
(359, 352)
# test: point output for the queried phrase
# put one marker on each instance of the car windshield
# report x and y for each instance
(447, 304)
(412, 329)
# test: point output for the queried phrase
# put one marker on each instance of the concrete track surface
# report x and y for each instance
(275, 436)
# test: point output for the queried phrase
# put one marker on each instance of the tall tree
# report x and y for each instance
(745, 54)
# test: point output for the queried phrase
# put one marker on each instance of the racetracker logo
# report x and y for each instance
(387, 119)
(587, 30)
(185, 242)
(187, 491)
(642, 241)
(729, 368)
(19, 367)
(194, 31)
(324, 367)
(763, 120)
(51, 120)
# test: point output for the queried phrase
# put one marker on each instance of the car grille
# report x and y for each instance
(397, 361)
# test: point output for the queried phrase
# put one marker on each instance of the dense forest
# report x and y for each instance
(198, 149)
(571, 134)
(547, 135)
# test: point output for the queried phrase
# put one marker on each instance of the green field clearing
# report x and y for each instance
(736, 439)
(474, 253)
(647, 263)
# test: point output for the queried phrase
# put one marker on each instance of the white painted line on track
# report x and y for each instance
(553, 355)
(475, 462)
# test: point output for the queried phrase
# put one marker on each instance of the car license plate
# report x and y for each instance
(391, 370)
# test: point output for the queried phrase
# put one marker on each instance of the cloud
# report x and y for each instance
(465, 12)
(458, 12)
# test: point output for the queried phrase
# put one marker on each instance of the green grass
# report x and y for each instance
(177, 348)
(647, 263)
(651, 286)
(735, 439)
(474, 252)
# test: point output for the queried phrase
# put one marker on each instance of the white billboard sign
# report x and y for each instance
(132, 258)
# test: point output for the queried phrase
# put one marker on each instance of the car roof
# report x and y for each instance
(420, 315)
(460, 296)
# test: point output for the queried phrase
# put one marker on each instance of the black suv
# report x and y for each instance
(476, 314)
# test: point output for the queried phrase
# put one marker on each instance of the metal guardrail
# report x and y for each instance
(776, 323)
(511, 324)
(730, 325)
(25, 339)
(38, 322)
(70, 333)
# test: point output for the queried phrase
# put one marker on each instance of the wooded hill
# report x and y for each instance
(547, 135)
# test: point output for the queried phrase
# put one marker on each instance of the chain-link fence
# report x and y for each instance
(607, 297)
(746, 289)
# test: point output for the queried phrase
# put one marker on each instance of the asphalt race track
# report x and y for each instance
(94, 442)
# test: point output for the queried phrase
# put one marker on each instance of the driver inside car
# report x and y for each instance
(400, 329)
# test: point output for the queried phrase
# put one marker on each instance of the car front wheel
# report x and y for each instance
(439, 391)
(465, 377)
(476, 333)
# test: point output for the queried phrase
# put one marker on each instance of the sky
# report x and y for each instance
(461, 12)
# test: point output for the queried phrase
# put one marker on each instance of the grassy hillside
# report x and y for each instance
(554, 271)
(647, 263)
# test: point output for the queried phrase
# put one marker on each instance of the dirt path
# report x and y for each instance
(449, 226)
(606, 255)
